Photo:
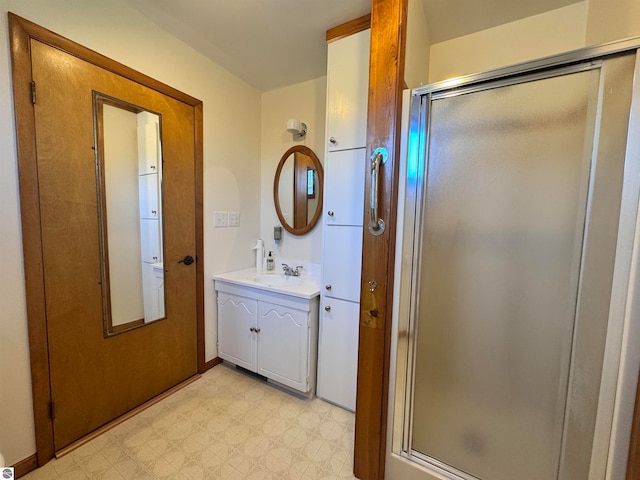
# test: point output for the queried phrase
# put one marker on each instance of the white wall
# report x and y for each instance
(610, 20)
(416, 63)
(307, 102)
(534, 37)
(121, 194)
(231, 171)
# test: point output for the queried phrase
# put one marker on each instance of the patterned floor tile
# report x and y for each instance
(226, 426)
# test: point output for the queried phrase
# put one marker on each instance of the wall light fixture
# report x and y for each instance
(296, 127)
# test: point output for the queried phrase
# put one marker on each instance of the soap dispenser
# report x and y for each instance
(271, 265)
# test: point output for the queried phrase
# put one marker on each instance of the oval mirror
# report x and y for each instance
(297, 190)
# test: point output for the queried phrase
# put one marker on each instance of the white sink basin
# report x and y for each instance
(277, 280)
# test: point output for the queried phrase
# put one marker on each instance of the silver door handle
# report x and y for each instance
(378, 157)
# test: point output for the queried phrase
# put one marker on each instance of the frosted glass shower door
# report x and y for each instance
(504, 208)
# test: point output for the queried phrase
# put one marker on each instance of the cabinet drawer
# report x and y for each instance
(342, 262)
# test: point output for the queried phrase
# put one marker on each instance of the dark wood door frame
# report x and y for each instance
(633, 463)
(386, 79)
(21, 32)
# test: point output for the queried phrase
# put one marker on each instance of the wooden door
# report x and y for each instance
(96, 378)
(301, 165)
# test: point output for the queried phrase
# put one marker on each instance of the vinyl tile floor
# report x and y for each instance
(226, 425)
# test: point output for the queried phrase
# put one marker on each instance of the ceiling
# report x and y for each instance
(275, 43)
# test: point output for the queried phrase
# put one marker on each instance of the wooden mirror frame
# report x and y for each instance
(276, 182)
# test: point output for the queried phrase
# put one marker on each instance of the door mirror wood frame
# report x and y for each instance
(21, 33)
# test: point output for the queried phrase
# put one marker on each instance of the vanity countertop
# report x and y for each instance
(304, 286)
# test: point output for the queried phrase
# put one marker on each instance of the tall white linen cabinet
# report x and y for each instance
(345, 163)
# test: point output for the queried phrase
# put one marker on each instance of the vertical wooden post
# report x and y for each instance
(633, 463)
(386, 78)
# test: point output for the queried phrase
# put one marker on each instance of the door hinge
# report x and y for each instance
(33, 92)
(52, 411)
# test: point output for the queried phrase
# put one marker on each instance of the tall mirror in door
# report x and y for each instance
(297, 190)
(129, 174)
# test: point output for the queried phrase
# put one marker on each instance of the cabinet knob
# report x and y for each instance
(327, 308)
(153, 167)
(252, 329)
(154, 211)
(257, 330)
(333, 140)
(330, 213)
(328, 286)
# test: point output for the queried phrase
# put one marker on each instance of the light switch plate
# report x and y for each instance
(234, 219)
(219, 219)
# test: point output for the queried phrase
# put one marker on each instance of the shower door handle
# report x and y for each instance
(378, 157)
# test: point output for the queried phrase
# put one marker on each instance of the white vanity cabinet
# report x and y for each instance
(345, 169)
(347, 91)
(269, 333)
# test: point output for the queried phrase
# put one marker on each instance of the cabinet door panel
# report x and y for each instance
(148, 196)
(347, 91)
(150, 240)
(283, 345)
(236, 342)
(148, 146)
(338, 352)
(342, 262)
(152, 291)
(344, 187)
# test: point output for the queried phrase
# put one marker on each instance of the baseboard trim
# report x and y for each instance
(131, 413)
(25, 466)
(211, 363)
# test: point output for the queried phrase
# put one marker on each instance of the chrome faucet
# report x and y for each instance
(290, 271)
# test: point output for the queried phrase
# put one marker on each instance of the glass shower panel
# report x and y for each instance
(502, 231)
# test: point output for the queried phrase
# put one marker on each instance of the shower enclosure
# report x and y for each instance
(522, 196)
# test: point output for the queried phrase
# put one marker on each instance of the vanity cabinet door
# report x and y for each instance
(347, 91)
(344, 187)
(237, 339)
(341, 265)
(283, 345)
